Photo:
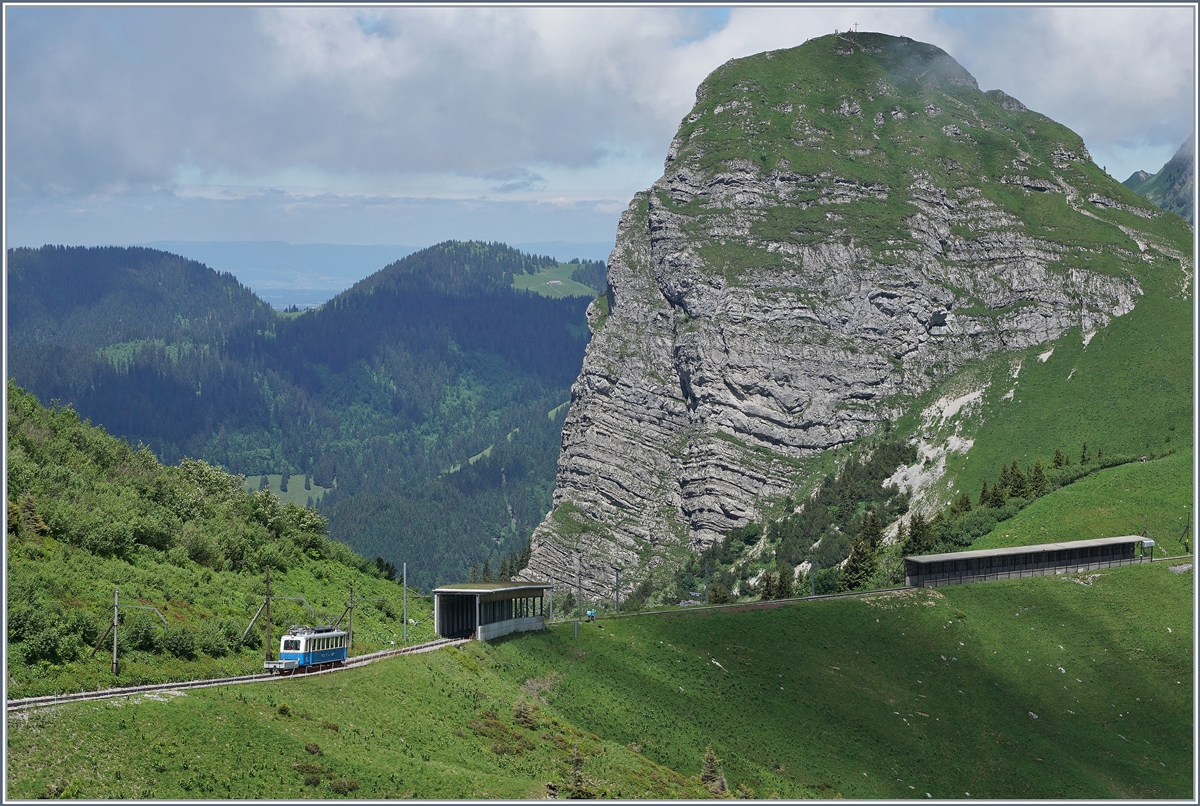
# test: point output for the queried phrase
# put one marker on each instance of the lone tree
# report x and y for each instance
(920, 536)
(1018, 485)
(711, 774)
(1084, 455)
(1038, 486)
(862, 563)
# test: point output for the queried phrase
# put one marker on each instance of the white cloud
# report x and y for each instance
(522, 103)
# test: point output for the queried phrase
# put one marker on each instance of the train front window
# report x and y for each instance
(291, 645)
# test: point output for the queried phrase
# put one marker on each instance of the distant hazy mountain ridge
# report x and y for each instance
(1172, 187)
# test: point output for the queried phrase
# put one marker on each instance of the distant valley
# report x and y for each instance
(379, 398)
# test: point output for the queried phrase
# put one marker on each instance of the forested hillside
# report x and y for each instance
(385, 393)
(87, 513)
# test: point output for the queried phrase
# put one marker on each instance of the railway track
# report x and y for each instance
(126, 691)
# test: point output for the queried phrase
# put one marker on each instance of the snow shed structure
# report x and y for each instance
(985, 565)
(487, 610)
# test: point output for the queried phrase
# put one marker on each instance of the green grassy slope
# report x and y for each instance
(553, 282)
(87, 514)
(416, 727)
(1125, 500)
(892, 697)
(817, 694)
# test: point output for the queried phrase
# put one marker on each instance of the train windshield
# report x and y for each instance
(291, 645)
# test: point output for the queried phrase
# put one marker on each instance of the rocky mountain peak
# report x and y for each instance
(839, 226)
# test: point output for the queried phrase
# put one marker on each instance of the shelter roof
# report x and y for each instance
(467, 588)
(1000, 552)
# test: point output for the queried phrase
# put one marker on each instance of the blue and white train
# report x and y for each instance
(303, 647)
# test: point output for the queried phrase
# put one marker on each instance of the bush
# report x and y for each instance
(141, 631)
(201, 546)
(211, 639)
(344, 786)
(827, 580)
(24, 621)
(181, 642)
(81, 624)
(51, 644)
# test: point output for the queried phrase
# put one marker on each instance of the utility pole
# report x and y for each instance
(618, 590)
(269, 614)
(116, 604)
(812, 574)
(113, 627)
(405, 583)
(265, 609)
(350, 629)
(706, 581)
(579, 588)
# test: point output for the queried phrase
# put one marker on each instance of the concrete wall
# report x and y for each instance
(489, 631)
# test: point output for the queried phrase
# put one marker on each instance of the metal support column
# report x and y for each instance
(116, 605)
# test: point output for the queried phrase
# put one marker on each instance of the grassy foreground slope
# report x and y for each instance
(1047, 687)
(933, 690)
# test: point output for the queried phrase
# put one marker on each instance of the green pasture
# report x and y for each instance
(556, 282)
(904, 694)
(296, 494)
(1154, 498)
(1049, 687)
(438, 725)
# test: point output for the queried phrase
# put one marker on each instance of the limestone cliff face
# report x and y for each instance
(838, 226)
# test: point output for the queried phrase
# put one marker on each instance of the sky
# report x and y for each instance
(413, 125)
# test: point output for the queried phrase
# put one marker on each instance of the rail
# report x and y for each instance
(125, 691)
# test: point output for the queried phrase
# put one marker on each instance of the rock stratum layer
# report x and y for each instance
(838, 226)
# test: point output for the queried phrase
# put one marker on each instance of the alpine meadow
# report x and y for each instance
(869, 313)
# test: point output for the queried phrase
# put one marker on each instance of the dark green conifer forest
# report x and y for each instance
(420, 398)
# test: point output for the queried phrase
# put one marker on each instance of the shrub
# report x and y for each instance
(181, 642)
(140, 631)
(211, 640)
(201, 546)
(344, 786)
(51, 644)
(826, 580)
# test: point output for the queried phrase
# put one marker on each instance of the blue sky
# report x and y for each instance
(411, 125)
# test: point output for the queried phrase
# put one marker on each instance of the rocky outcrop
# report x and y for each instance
(818, 252)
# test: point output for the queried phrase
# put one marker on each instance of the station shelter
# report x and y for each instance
(983, 565)
(486, 610)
